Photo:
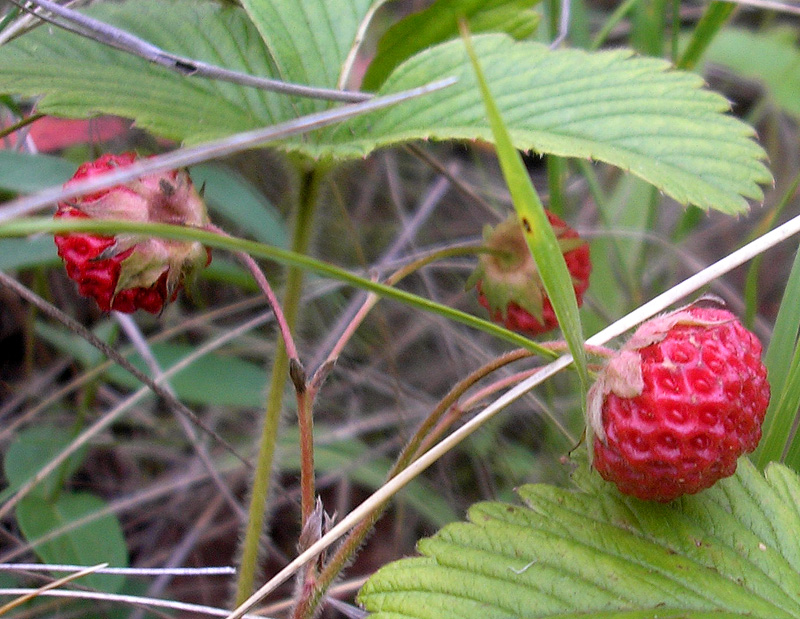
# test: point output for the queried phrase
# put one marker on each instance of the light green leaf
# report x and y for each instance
(80, 78)
(631, 112)
(727, 552)
(439, 23)
(98, 541)
(772, 58)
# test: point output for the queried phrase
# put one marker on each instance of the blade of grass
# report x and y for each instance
(537, 229)
(782, 366)
(34, 225)
(713, 19)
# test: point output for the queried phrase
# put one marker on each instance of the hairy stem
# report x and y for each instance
(308, 604)
(280, 370)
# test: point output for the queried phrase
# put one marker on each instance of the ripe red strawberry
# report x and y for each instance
(129, 272)
(509, 285)
(680, 402)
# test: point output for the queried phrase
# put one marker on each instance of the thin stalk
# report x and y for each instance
(263, 284)
(280, 370)
(305, 421)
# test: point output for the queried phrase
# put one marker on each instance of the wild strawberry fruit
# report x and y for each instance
(509, 285)
(129, 272)
(674, 409)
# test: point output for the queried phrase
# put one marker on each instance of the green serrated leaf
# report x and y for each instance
(772, 58)
(596, 553)
(99, 540)
(631, 112)
(439, 23)
(31, 450)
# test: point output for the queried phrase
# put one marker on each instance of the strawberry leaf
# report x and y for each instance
(727, 552)
(80, 78)
(631, 112)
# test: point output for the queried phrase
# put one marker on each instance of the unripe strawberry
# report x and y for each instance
(509, 284)
(674, 409)
(129, 272)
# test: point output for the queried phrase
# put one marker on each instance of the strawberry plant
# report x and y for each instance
(340, 158)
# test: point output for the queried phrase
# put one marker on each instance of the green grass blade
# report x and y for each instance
(24, 227)
(781, 362)
(716, 16)
(538, 231)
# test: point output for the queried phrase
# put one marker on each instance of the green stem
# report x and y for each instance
(280, 371)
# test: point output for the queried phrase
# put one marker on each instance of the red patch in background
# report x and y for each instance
(52, 134)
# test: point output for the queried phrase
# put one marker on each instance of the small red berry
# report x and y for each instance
(509, 285)
(129, 272)
(674, 409)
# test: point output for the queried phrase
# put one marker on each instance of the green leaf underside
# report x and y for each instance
(727, 552)
(631, 112)
(81, 78)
